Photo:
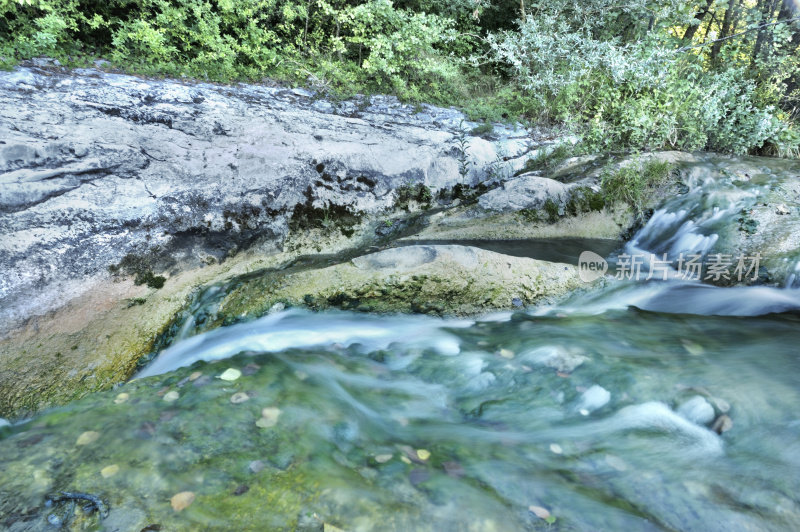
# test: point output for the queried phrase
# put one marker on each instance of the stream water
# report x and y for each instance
(643, 405)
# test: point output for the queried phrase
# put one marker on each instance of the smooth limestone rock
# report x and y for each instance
(198, 182)
(442, 280)
(528, 191)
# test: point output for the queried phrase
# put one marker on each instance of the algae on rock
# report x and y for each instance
(441, 280)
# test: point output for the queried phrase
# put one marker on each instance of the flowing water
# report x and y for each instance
(642, 405)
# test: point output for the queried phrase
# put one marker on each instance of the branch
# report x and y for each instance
(685, 48)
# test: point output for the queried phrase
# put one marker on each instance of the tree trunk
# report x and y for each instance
(790, 101)
(767, 10)
(688, 35)
(727, 24)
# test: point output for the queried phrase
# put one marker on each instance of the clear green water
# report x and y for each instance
(504, 429)
(414, 423)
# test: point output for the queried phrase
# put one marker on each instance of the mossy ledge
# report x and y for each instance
(440, 280)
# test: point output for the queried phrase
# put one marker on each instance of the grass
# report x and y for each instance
(635, 183)
(547, 160)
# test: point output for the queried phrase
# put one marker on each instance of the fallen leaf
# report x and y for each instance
(423, 454)
(109, 471)
(172, 396)
(121, 398)
(230, 374)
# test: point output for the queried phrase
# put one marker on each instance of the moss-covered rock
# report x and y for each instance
(442, 280)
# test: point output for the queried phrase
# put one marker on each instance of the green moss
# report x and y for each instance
(483, 130)
(584, 200)
(140, 266)
(305, 216)
(746, 222)
(551, 209)
(413, 193)
(150, 279)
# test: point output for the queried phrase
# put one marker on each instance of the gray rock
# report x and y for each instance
(697, 410)
(528, 191)
(556, 357)
(96, 165)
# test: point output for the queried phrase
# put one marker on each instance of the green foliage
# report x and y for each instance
(620, 75)
(334, 45)
(635, 90)
(634, 183)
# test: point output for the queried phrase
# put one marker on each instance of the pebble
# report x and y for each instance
(594, 398)
(87, 437)
(556, 448)
(405, 459)
(269, 417)
(721, 404)
(181, 501)
(202, 381)
(195, 375)
(109, 471)
(121, 398)
(453, 469)
(556, 357)
(250, 369)
(172, 396)
(383, 458)
(697, 410)
(230, 374)
(239, 397)
(418, 476)
(722, 424)
(507, 353)
(538, 511)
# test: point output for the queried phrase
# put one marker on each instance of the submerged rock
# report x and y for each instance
(595, 398)
(697, 410)
(443, 280)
